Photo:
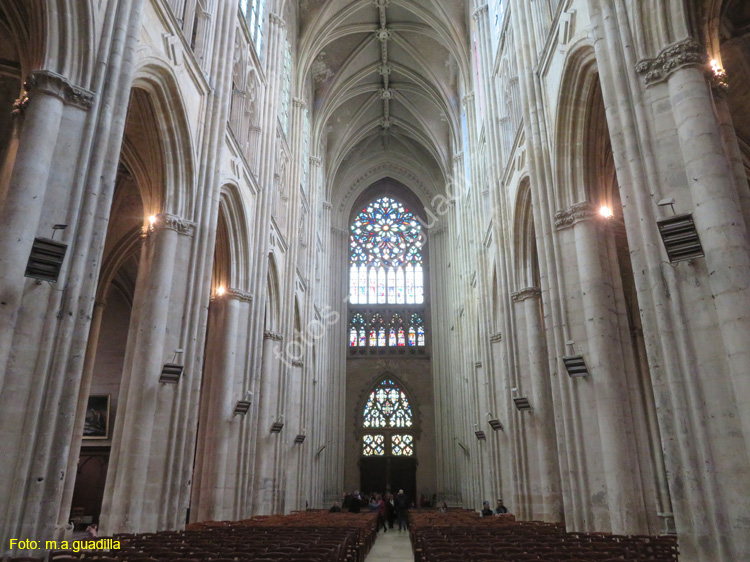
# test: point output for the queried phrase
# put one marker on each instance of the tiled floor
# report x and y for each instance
(393, 546)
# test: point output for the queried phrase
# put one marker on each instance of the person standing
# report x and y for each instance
(402, 510)
(390, 509)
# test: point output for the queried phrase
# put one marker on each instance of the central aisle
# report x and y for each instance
(392, 546)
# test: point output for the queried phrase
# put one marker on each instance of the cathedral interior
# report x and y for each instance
(254, 253)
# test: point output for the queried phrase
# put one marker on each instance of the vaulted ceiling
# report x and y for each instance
(387, 79)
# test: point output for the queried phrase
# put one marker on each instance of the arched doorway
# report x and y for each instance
(388, 462)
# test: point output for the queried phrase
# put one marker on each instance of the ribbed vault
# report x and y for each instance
(385, 77)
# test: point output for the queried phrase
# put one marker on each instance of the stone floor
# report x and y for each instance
(393, 545)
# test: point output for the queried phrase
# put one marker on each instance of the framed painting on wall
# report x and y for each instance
(96, 425)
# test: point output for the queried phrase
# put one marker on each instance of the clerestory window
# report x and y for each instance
(386, 281)
(386, 255)
(253, 12)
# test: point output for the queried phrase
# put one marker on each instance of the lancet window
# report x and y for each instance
(384, 330)
(387, 422)
(253, 12)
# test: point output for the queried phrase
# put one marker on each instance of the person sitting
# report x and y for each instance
(486, 511)
(335, 508)
(443, 507)
(500, 509)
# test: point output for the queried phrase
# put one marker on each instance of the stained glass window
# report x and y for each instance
(357, 331)
(254, 15)
(388, 411)
(402, 445)
(285, 89)
(386, 255)
(416, 330)
(388, 407)
(373, 445)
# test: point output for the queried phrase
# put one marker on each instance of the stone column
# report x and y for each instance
(75, 446)
(40, 111)
(717, 211)
(606, 365)
(547, 493)
(218, 378)
(129, 480)
(266, 498)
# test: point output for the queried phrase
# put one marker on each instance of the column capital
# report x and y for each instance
(277, 20)
(527, 293)
(468, 98)
(53, 84)
(299, 103)
(275, 336)
(100, 303)
(573, 214)
(239, 294)
(173, 222)
(480, 11)
(327, 205)
(496, 337)
(687, 52)
(315, 161)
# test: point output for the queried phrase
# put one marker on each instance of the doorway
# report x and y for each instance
(388, 474)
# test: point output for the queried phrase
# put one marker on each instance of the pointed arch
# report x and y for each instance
(580, 78)
(157, 80)
(525, 255)
(273, 287)
(233, 213)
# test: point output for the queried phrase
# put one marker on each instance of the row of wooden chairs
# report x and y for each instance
(311, 536)
(462, 535)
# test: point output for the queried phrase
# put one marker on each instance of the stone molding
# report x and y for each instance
(365, 177)
(481, 10)
(573, 214)
(527, 293)
(275, 336)
(173, 222)
(277, 20)
(51, 83)
(496, 337)
(672, 58)
(239, 294)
